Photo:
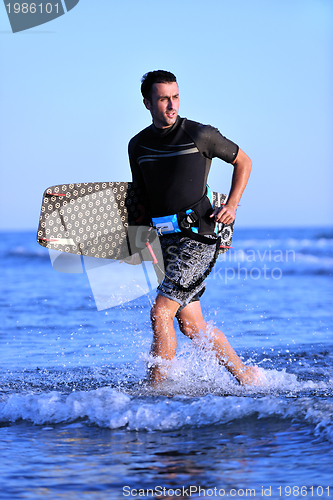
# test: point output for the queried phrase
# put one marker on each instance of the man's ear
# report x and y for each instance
(147, 103)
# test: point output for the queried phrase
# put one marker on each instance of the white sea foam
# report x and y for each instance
(107, 407)
(152, 411)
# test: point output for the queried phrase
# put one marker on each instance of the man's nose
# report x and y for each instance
(170, 103)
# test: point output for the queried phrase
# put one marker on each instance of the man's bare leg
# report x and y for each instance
(193, 325)
(164, 342)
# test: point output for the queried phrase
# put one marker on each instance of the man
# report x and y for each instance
(170, 160)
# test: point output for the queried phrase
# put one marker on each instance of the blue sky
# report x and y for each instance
(258, 70)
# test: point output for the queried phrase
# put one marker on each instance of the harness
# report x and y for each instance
(190, 222)
(194, 222)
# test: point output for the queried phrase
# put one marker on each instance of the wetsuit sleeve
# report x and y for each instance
(136, 172)
(210, 142)
(138, 179)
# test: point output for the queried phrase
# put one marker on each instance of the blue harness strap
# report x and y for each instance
(188, 221)
(167, 224)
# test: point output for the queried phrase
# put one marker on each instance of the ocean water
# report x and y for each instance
(78, 421)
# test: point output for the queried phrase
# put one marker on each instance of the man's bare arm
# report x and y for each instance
(242, 168)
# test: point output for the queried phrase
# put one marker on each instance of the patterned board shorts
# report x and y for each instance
(185, 261)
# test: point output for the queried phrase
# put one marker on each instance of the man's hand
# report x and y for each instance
(224, 215)
(133, 260)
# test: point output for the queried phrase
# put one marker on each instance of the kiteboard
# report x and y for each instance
(101, 219)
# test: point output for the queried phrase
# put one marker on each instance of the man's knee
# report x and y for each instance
(163, 309)
(190, 321)
(185, 327)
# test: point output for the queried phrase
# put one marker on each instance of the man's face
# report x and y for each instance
(164, 104)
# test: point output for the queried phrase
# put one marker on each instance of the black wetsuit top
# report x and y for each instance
(171, 165)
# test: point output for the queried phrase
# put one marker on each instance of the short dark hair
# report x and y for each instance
(158, 76)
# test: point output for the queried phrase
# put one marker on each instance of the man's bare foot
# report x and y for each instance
(249, 376)
(158, 372)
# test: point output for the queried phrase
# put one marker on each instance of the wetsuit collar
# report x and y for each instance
(165, 131)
